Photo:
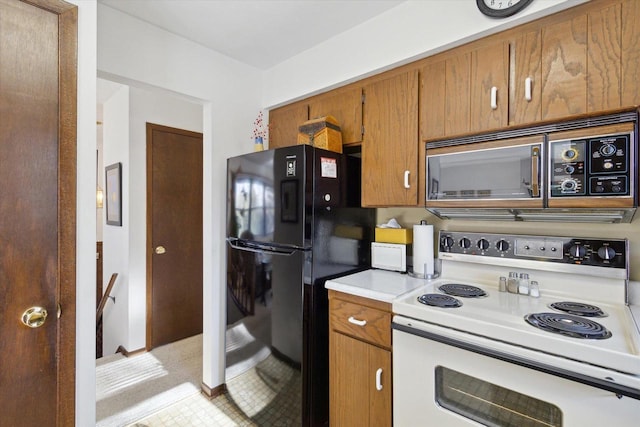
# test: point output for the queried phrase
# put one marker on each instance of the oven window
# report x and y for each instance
(490, 404)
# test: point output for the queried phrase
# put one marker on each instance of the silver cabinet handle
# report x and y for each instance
(494, 98)
(379, 379)
(406, 179)
(356, 321)
(527, 89)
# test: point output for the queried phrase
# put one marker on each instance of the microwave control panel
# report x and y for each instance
(593, 166)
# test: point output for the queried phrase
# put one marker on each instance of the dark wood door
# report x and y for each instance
(174, 234)
(37, 207)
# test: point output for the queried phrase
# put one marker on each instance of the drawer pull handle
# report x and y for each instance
(379, 379)
(356, 321)
(406, 179)
(527, 89)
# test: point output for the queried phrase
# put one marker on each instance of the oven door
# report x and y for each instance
(435, 383)
(505, 173)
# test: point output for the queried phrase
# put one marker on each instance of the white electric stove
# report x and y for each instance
(567, 353)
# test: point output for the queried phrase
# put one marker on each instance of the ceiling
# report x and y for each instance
(261, 33)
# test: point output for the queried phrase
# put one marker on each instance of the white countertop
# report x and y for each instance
(381, 285)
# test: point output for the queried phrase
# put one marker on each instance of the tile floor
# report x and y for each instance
(274, 400)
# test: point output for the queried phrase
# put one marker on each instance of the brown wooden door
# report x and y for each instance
(37, 207)
(174, 234)
(390, 145)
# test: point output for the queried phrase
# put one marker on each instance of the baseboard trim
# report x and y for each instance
(213, 392)
(126, 353)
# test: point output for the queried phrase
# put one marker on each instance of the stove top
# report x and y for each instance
(584, 299)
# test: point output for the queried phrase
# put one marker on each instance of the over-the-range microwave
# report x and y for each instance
(580, 171)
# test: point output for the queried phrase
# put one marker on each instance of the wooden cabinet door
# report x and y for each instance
(564, 68)
(380, 386)
(458, 85)
(630, 53)
(604, 59)
(284, 123)
(432, 100)
(346, 106)
(489, 87)
(390, 143)
(354, 396)
(348, 385)
(525, 105)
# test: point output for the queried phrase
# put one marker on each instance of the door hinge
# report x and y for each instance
(363, 97)
(362, 130)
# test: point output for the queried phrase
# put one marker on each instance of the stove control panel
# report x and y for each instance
(611, 253)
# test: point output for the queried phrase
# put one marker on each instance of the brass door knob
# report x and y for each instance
(160, 250)
(34, 317)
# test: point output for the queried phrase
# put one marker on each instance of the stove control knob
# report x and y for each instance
(447, 242)
(465, 243)
(483, 244)
(502, 245)
(577, 251)
(607, 253)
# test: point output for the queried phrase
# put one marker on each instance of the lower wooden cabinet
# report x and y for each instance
(359, 361)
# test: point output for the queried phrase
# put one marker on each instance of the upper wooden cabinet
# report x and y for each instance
(570, 65)
(346, 106)
(284, 123)
(466, 92)
(630, 48)
(390, 145)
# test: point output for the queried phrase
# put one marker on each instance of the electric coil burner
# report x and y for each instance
(439, 300)
(568, 325)
(578, 309)
(464, 291)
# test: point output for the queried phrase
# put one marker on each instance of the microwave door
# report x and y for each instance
(494, 174)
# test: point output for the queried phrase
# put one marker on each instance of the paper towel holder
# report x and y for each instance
(411, 272)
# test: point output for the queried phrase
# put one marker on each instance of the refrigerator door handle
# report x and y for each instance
(244, 245)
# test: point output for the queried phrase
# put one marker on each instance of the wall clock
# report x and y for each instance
(501, 8)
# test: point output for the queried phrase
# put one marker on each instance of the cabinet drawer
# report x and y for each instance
(359, 321)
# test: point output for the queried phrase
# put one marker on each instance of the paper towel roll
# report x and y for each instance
(423, 263)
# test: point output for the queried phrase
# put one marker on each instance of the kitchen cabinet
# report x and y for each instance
(571, 65)
(630, 53)
(390, 143)
(465, 92)
(345, 105)
(359, 361)
(284, 123)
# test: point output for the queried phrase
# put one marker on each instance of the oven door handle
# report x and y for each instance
(619, 389)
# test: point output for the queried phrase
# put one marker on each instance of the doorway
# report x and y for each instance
(174, 234)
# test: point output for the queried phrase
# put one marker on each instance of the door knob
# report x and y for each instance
(34, 317)
(160, 250)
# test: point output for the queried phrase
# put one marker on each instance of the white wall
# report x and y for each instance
(115, 241)
(85, 215)
(410, 31)
(140, 55)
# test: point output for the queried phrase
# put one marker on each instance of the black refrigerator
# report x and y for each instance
(293, 221)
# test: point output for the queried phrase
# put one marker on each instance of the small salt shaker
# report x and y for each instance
(503, 284)
(534, 289)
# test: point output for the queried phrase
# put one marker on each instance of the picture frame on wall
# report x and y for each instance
(113, 183)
